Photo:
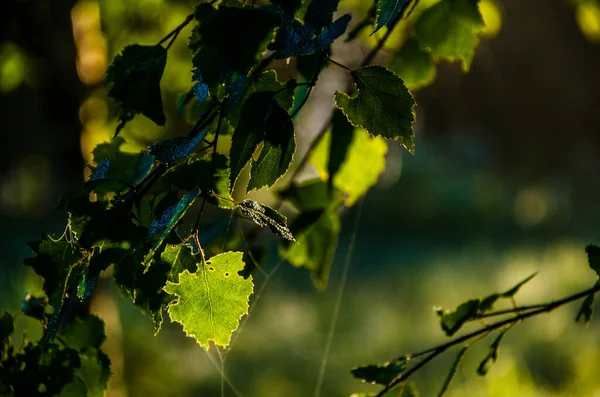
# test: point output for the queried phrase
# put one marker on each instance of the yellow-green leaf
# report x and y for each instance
(211, 301)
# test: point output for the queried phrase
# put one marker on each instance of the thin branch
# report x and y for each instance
(437, 350)
(339, 64)
(264, 62)
(176, 31)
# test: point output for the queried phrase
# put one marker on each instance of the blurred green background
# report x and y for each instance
(505, 182)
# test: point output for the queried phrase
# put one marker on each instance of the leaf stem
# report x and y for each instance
(338, 64)
(437, 350)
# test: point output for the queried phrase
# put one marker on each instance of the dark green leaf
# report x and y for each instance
(172, 149)
(288, 6)
(84, 333)
(586, 311)
(332, 32)
(263, 216)
(278, 150)
(263, 82)
(511, 292)
(413, 64)
(317, 235)
(118, 169)
(452, 321)
(487, 304)
(59, 262)
(293, 38)
(249, 132)
(492, 356)
(593, 252)
(383, 105)
(144, 285)
(218, 50)
(169, 219)
(43, 366)
(135, 77)
(34, 306)
(319, 13)
(380, 374)
(196, 173)
(309, 65)
(388, 11)
(6, 329)
(450, 28)
(453, 370)
(180, 258)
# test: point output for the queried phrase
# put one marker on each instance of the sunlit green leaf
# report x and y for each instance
(381, 374)
(383, 106)
(311, 195)
(492, 355)
(135, 77)
(211, 301)
(353, 177)
(413, 65)
(266, 216)
(453, 370)
(451, 322)
(450, 29)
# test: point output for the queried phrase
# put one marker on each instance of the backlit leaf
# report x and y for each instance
(6, 329)
(593, 252)
(383, 106)
(84, 333)
(586, 311)
(353, 177)
(413, 65)
(135, 77)
(492, 355)
(450, 30)
(380, 374)
(211, 301)
(316, 234)
(451, 322)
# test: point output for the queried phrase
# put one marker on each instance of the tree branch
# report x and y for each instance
(437, 350)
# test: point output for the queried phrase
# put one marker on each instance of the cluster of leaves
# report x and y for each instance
(136, 211)
(74, 366)
(394, 374)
